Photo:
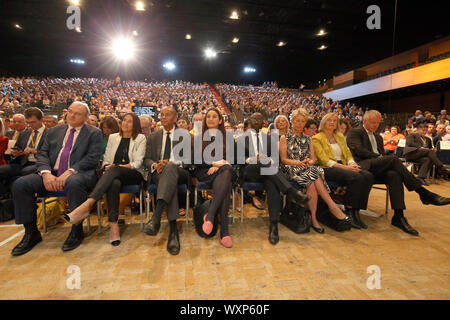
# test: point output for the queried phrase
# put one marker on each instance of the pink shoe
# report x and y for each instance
(207, 226)
(226, 242)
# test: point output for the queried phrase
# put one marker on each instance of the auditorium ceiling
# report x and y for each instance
(43, 45)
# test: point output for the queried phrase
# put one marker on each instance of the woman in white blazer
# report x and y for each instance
(122, 165)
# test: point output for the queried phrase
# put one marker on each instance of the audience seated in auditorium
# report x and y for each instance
(258, 155)
(298, 159)
(390, 140)
(167, 174)
(334, 156)
(66, 162)
(122, 166)
(368, 152)
(419, 149)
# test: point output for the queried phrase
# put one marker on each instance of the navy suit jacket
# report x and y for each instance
(85, 154)
(22, 142)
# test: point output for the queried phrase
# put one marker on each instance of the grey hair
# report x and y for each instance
(371, 113)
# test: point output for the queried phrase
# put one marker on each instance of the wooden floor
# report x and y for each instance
(310, 266)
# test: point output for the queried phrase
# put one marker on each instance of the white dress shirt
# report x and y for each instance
(41, 130)
(373, 141)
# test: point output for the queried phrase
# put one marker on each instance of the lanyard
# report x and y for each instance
(33, 143)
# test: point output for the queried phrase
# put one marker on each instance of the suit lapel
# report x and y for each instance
(158, 144)
(81, 137)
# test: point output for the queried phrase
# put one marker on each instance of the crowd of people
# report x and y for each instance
(319, 142)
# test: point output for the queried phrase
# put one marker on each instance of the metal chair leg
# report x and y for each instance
(195, 196)
(187, 207)
(99, 215)
(242, 205)
(44, 218)
(233, 204)
(140, 207)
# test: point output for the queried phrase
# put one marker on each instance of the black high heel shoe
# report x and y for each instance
(344, 224)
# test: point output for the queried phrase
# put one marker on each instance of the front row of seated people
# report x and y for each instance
(70, 154)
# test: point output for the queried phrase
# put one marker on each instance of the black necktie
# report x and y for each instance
(167, 147)
(257, 142)
(32, 143)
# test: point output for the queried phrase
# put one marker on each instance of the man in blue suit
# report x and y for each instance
(66, 162)
(28, 143)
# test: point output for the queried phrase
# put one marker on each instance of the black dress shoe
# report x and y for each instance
(357, 223)
(433, 198)
(273, 233)
(173, 245)
(74, 239)
(343, 224)
(257, 206)
(300, 197)
(403, 224)
(151, 228)
(29, 240)
(318, 230)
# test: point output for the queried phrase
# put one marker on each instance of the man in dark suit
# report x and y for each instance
(367, 149)
(166, 173)
(258, 156)
(29, 142)
(419, 149)
(19, 125)
(440, 133)
(66, 162)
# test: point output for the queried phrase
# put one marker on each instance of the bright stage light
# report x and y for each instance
(234, 15)
(322, 47)
(77, 61)
(169, 66)
(188, 37)
(321, 32)
(210, 53)
(135, 33)
(235, 40)
(18, 26)
(281, 44)
(140, 6)
(123, 49)
(249, 70)
(75, 2)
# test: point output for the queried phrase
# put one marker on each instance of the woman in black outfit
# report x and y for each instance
(218, 175)
(122, 163)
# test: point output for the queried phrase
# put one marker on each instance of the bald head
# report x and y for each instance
(168, 117)
(18, 122)
(78, 114)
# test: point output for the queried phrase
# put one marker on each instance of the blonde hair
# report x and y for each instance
(326, 118)
(299, 112)
(281, 116)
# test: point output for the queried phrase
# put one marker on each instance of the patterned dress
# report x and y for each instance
(298, 148)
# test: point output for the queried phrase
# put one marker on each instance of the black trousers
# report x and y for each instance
(391, 171)
(274, 185)
(10, 171)
(110, 184)
(358, 185)
(426, 157)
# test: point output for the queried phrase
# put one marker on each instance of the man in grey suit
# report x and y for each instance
(29, 142)
(418, 148)
(166, 173)
(66, 162)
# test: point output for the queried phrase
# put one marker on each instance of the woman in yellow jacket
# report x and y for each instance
(335, 158)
